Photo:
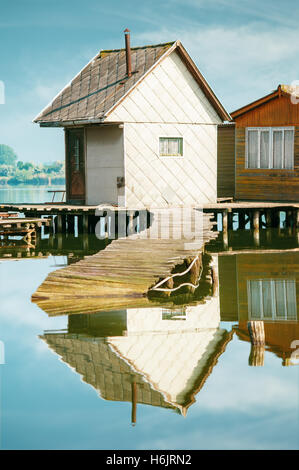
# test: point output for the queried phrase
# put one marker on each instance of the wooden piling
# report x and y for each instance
(225, 220)
(85, 223)
(257, 338)
(241, 220)
(256, 220)
(58, 225)
(268, 217)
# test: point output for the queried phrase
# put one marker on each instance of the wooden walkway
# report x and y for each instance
(121, 275)
(25, 227)
(86, 216)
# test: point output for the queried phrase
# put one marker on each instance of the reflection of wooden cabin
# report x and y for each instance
(266, 156)
(163, 358)
(259, 286)
(141, 129)
(280, 338)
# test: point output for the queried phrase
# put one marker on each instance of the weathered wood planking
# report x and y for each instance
(265, 184)
(226, 161)
(275, 110)
(121, 274)
(279, 111)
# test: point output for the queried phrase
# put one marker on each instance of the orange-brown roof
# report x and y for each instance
(103, 83)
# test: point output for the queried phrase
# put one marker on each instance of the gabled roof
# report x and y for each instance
(282, 90)
(103, 83)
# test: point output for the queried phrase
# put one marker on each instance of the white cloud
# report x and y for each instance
(241, 63)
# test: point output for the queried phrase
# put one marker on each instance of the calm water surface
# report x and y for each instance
(78, 381)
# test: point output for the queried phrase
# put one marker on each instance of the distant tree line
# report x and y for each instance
(15, 172)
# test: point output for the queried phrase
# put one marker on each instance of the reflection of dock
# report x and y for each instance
(27, 228)
(153, 358)
(125, 270)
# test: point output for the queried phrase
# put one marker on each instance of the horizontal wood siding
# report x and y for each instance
(277, 112)
(264, 266)
(263, 184)
(226, 161)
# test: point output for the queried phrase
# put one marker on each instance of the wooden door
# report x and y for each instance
(75, 166)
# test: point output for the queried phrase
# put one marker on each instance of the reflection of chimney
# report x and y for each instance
(128, 52)
(134, 403)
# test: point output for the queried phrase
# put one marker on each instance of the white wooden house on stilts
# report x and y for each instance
(140, 129)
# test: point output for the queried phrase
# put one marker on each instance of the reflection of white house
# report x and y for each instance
(140, 135)
(167, 355)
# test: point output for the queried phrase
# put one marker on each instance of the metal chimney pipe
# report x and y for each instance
(128, 52)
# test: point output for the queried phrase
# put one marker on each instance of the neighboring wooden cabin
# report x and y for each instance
(141, 129)
(267, 147)
(259, 286)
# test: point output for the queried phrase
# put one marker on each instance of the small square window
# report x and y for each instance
(171, 146)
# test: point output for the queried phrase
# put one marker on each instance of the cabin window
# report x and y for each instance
(171, 146)
(270, 147)
(272, 299)
(177, 314)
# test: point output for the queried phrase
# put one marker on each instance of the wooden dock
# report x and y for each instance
(25, 227)
(66, 216)
(124, 272)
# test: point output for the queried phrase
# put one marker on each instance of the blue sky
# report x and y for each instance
(244, 49)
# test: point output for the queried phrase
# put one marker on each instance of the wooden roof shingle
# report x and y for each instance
(103, 83)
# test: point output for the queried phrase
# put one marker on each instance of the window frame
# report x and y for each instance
(274, 316)
(171, 155)
(271, 131)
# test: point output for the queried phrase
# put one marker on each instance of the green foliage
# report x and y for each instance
(15, 172)
(7, 155)
(6, 170)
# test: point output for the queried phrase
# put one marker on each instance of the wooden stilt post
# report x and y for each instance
(59, 223)
(85, 241)
(131, 223)
(257, 338)
(70, 224)
(289, 221)
(59, 241)
(256, 228)
(85, 223)
(256, 220)
(230, 217)
(225, 220)
(80, 223)
(241, 224)
(268, 217)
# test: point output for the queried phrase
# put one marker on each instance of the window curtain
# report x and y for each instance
(253, 149)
